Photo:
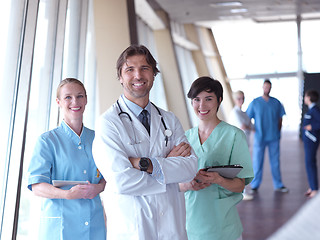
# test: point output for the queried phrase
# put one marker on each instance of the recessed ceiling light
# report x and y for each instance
(226, 4)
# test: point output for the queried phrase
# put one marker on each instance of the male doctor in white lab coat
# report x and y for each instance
(142, 164)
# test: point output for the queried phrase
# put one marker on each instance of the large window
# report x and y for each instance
(249, 48)
(12, 18)
(254, 51)
(310, 39)
(43, 42)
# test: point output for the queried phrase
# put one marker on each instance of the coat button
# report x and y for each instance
(86, 223)
(79, 147)
(85, 171)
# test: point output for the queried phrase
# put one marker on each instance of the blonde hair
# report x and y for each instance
(69, 80)
(237, 93)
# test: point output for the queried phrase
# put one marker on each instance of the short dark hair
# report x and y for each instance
(313, 94)
(207, 84)
(134, 50)
(267, 81)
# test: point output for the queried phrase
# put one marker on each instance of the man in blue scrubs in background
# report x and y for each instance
(267, 112)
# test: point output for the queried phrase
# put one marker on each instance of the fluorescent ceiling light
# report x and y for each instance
(235, 17)
(239, 10)
(226, 4)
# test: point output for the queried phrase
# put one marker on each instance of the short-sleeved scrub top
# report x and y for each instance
(61, 154)
(212, 212)
(266, 116)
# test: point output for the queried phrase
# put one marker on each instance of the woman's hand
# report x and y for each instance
(233, 185)
(194, 185)
(86, 191)
(83, 191)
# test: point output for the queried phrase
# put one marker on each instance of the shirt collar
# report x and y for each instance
(72, 134)
(136, 109)
(311, 105)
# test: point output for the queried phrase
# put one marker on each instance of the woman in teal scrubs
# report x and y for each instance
(210, 198)
(65, 153)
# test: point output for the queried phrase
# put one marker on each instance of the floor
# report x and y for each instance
(269, 210)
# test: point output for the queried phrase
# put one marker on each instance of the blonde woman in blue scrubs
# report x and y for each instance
(65, 153)
(210, 198)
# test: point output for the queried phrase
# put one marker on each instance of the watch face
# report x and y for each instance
(144, 164)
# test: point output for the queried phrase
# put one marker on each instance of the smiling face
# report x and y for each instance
(137, 78)
(205, 105)
(72, 101)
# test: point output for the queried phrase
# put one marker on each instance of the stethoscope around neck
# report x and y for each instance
(167, 132)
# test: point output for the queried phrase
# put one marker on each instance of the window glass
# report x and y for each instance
(52, 25)
(310, 39)
(188, 73)
(39, 111)
(249, 48)
(11, 18)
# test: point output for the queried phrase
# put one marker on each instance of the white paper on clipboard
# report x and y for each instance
(227, 171)
(62, 183)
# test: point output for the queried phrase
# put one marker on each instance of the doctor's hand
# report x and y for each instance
(182, 150)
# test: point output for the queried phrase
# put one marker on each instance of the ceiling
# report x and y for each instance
(192, 11)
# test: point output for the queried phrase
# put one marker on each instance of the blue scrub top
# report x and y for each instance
(266, 115)
(60, 154)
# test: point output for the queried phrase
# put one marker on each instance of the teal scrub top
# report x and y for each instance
(212, 212)
(60, 154)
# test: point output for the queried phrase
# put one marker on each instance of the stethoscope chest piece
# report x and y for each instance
(168, 133)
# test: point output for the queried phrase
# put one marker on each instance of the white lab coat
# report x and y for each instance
(137, 205)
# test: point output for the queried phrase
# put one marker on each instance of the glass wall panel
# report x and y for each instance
(188, 73)
(249, 48)
(310, 41)
(11, 18)
(39, 110)
(48, 52)
(89, 68)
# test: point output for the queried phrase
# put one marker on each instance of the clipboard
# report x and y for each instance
(62, 183)
(227, 171)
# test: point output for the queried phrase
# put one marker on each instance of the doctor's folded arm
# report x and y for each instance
(143, 157)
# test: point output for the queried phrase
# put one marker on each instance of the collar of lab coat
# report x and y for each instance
(156, 128)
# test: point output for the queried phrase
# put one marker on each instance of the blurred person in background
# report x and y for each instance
(241, 120)
(311, 137)
(267, 113)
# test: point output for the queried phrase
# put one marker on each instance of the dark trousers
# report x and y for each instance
(310, 150)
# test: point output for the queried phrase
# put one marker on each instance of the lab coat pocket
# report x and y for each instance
(50, 228)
